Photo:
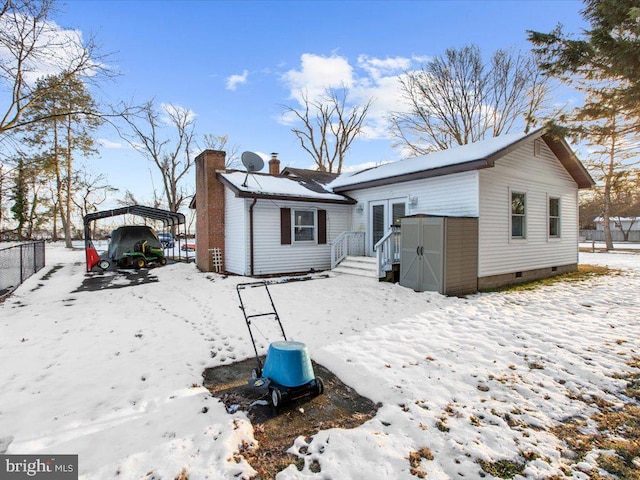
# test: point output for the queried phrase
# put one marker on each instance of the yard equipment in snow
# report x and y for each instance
(287, 373)
(142, 255)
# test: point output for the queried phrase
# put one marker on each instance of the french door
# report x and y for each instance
(383, 214)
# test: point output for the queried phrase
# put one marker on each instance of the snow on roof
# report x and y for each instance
(453, 156)
(613, 218)
(269, 185)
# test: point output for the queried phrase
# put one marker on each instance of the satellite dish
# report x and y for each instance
(252, 162)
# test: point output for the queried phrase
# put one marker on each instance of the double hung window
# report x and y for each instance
(304, 225)
(518, 215)
(554, 217)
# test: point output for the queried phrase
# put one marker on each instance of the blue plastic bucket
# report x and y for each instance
(288, 364)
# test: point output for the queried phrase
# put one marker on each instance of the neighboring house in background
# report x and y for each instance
(522, 188)
(628, 224)
(623, 229)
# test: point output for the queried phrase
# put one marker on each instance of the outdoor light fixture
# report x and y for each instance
(359, 208)
(413, 201)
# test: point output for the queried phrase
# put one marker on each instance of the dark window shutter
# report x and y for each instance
(322, 226)
(285, 226)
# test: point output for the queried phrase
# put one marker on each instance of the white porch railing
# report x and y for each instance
(388, 251)
(347, 243)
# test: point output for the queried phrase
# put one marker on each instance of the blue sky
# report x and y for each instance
(234, 64)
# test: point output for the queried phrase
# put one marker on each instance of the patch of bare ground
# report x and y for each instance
(585, 272)
(616, 438)
(338, 407)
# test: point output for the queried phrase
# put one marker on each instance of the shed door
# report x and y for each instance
(432, 254)
(421, 258)
(410, 261)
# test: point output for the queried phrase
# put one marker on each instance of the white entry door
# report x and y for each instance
(383, 214)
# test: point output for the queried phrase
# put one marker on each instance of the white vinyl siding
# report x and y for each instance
(236, 233)
(272, 257)
(540, 178)
(454, 195)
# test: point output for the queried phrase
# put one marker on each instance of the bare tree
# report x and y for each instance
(2, 177)
(221, 142)
(457, 99)
(329, 127)
(93, 190)
(172, 155)
(31, 45)
(625, 203)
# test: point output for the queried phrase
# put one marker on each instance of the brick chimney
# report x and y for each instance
(209, 208)
(274, 165)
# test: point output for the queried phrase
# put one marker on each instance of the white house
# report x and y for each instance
(628, 224)
(522, 188)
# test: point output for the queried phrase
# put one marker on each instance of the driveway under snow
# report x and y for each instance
(114, 374)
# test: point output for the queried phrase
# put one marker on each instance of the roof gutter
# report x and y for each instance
(476, 164)
(253, 204)
(293, 198)
(434, 172)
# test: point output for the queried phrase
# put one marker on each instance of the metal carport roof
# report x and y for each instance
(169, 219)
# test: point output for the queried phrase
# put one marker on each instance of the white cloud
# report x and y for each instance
(376, 67)
(234, 80)
(288, 118)
(362, 166)
(176, 110)
(421, 58)
(369, 78)
(317, 73)
(54, 48)
(106, 143)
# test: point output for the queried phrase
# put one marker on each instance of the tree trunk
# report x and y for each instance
(1, 178)
(59, 182)
(54, 233)
(606, 214)
(67, 205)
(607, 190)
(32, 211)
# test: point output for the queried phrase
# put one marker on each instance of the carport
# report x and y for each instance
(168, 219)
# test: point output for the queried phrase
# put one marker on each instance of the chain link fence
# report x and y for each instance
(616, 235)
(19, 262)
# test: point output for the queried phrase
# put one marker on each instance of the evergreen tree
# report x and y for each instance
(606, 130)
(605, 66)
(20, 207)
(608, 52)
(61, 136)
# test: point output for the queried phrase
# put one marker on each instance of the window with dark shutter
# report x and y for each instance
(285, 226)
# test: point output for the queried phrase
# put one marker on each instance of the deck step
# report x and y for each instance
(361, 266)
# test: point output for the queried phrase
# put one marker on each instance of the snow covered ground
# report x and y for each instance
(620, 245)
(114, 374)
